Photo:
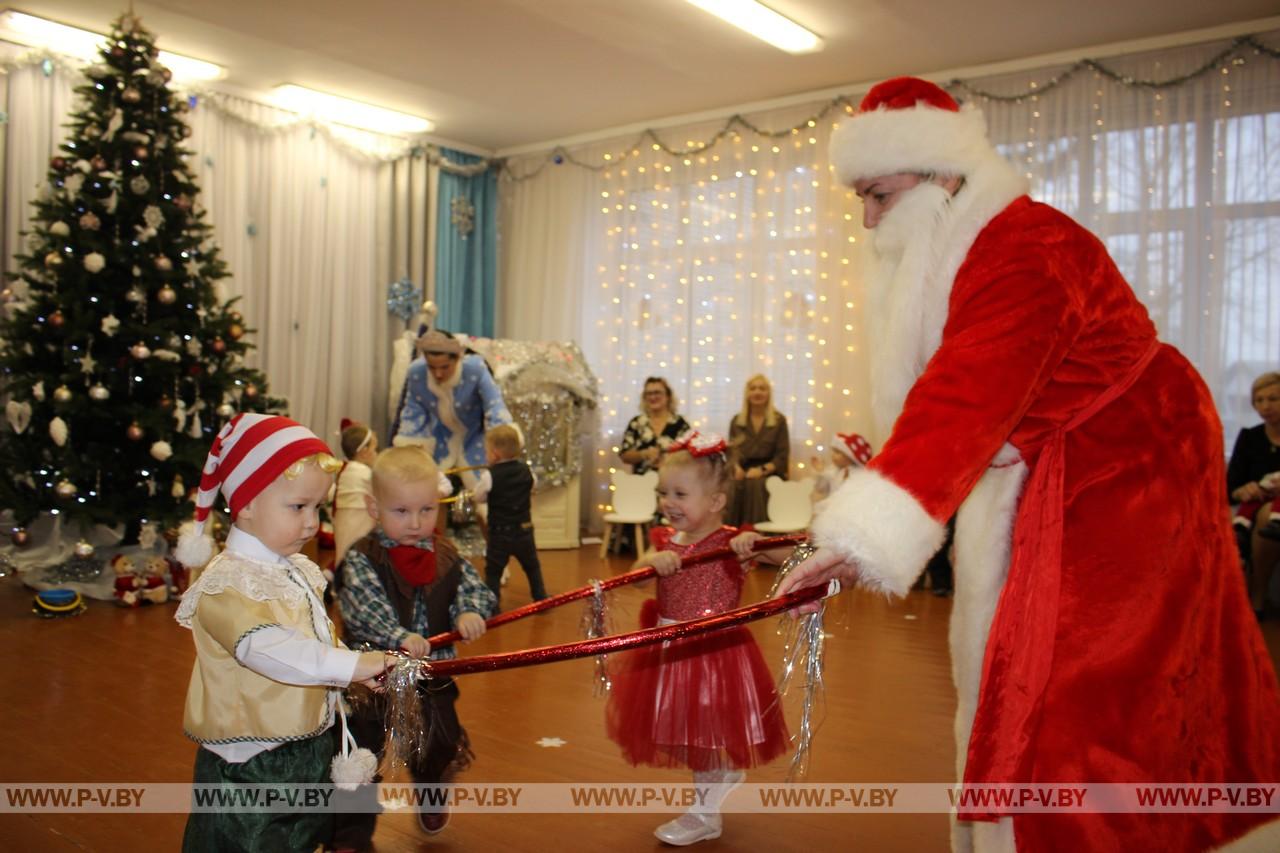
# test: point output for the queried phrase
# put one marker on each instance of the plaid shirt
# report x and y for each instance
(369, 617)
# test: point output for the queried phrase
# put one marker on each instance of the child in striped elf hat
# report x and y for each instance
(264, 691)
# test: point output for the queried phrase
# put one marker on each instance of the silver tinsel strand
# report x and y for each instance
(595, 619)
(802, 645)
(406, 730)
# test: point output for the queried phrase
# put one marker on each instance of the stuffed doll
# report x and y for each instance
(154, 588)
(127, 581)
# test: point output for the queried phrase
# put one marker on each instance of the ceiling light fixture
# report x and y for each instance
(86, 45)
(344, 111)
(763, 23)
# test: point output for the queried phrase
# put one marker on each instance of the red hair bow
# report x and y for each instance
(699, 444)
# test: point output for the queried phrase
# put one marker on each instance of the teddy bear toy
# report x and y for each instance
(155, 590)
(127, 584)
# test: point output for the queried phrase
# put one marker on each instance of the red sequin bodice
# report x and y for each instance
(701, 589)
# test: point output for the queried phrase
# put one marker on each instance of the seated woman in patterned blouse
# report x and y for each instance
(652, 431)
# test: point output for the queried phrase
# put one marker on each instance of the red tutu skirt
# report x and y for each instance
(705, 702)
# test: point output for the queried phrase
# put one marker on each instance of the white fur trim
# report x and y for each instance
(882, 527)
(448, 415)
(1262, 839)
(414, 441)
(919, 139)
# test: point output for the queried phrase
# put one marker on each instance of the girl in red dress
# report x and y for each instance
(707, 702)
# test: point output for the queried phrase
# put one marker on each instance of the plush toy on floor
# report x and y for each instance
(128, 583)
(154, 588)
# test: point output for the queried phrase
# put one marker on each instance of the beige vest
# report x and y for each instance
(226, 701)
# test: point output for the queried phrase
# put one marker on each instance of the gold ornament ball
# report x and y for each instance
(65, 489)
(141, 152)
(163, 263)
(90, 222)
(251, 390)
(83, 550)
(21, 538)
(52, 260)
(62, 394)
(99, 392)
(134, 432)
(131, 95)
(236, 331)
(140, 351)
(167, 295)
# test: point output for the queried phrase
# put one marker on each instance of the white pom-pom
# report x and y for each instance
(161, 450)
(444, 485)
(194, 548)
(430, 309)
(351, 771)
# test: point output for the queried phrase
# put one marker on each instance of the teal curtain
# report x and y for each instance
(466, 260)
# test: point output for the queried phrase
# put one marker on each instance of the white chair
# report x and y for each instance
(790, 508)
(634, 502)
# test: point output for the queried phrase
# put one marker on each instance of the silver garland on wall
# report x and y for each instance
(649, 139)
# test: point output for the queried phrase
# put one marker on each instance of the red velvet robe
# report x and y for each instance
(1122, 647)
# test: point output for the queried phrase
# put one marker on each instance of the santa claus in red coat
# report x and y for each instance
(1101, 632)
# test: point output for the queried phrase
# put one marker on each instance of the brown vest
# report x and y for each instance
(438, 594)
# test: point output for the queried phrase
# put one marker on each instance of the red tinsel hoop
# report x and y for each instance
(449, 637)
(635, 639)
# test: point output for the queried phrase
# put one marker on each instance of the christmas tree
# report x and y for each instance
(121, 359)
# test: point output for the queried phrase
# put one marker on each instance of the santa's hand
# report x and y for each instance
(817, 570)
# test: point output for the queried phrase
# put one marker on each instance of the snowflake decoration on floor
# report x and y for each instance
(550, 742)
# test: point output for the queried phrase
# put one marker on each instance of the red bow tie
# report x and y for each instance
(416, 565)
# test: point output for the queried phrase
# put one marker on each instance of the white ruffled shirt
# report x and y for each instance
(284, 654)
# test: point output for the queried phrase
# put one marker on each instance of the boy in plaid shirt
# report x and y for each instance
(400, 584)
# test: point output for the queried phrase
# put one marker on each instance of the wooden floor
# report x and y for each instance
(98, 698)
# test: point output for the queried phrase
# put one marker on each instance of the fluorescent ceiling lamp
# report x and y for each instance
(763, 23)
(348, 112)
(36, 32)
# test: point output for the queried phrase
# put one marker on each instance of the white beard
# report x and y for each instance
(907, 300)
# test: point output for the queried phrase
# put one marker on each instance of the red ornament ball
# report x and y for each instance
(56, 319)
(21, 538)
(251, 390)
(58, 163)
(98, 162)
(182, 202)
(166, 402)
(141, 153)
(134, 432)
(195, 369)
(131, 95)
(140, 351)
(219, 346)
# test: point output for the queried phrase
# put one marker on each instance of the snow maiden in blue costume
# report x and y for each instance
(450, 399)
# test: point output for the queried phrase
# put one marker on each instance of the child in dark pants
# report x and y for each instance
(510, 523)
(400, 584)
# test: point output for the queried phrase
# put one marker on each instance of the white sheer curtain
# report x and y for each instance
(710, 267)
(704, 268)
(311, 222)
(1183, 185)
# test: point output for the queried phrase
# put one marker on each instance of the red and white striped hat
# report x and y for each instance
(250, 452)
(854, 446)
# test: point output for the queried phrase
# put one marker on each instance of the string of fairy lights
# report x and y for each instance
(730, 255)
